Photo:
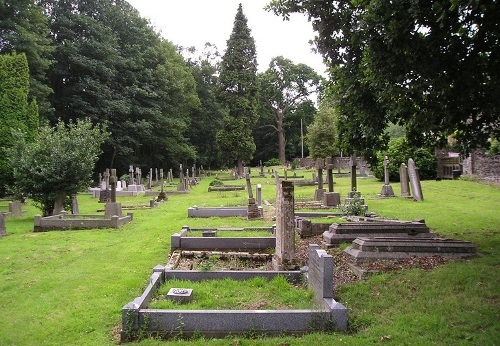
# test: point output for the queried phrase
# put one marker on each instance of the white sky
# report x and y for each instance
(194, 22)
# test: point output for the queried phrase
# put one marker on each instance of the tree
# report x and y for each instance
(16, 112)
(322, 137)
(57, 164)
(238, 92)
(24, 29)
(430, 66)
(284, 86)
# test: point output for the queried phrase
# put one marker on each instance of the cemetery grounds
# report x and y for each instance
(68, 287)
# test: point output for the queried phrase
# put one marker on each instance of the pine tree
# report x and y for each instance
(239, 89)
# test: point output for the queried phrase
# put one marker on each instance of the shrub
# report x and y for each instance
(216, 182)
(272, 162)
(398, 152)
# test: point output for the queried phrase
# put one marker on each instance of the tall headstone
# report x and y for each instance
(253, 209)
(320, 191)
(3, 231)
(131, 175)
(170, 176)
(259, 195)
(162, 196)
(112, 180)
(112, 207)
(105, 195)
(75, 210)
(329, 173)
(353, 164)
(261, 174)
(416, 188)
(285, 226)
(403, 178)
(150, 178)
(181, 186)
(387, 190)
(156, 176)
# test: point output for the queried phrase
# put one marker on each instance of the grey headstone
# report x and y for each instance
(416, 188)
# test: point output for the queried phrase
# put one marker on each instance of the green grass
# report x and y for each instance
(68, 288)
(230, 294)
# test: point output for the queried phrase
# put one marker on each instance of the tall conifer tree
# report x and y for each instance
(239, 88)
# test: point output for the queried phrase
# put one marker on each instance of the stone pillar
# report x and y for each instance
(112, 181)
(261, 174)
(162, 196)
(150, 178)
(329, 173)
(171, 177)
(285, 227)
(403, 178)
(156, 176)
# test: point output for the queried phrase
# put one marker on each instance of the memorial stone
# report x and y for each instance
(416, 188)
(403, 178)
(387, 190)
(3, 231)
(285, 226)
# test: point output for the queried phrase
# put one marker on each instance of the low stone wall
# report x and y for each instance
(222, 243)
(328, 315)
(219, 211)
(76, 222)
(484, 166)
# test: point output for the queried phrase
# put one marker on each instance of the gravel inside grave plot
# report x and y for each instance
(342, 275)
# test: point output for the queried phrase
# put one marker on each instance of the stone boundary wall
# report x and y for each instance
(484, 166)
(342, 163)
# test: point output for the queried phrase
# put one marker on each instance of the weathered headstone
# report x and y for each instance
(353, 164)
(74, 205)
(403, 178)
(3, 231)
(259, 195)
(320, 191)
(162, 196)
(170, 176)
(105, 195)
(329, 173)
(416, 188)
(261, 174)
(150, 178)
(387, 190)
(112, 207)
(285, 226)
(253, 209)
(131, 175)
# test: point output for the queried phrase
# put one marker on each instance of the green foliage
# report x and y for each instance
(24, 29)
(272, 162)
(284, 87)
(322, 138)
(398, 152)
(59, 161)
(216, 182)
(430, 66)
(494, 147)
(238, 92)
(355, 206)
(16, 113)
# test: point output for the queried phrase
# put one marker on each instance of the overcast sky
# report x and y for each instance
(194, 22)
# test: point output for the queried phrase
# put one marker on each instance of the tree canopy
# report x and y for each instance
(284, 87)
(239, 92)
(59, 162)
(431, 66)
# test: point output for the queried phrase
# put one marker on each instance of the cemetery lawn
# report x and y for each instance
(68, 287)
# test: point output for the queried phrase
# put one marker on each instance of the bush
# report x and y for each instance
(399, 151)
(216, 182)
(272, 162)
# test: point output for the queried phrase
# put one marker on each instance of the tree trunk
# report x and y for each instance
(59, 203)
(281, 138)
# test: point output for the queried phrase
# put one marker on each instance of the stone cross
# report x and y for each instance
(131, 175)
(113, 181)
(353, 165)
(106, 178)
(386, 170)
(249, 184)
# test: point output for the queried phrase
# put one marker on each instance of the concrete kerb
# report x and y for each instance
(75, 222)
(328, 315)
(196, 211)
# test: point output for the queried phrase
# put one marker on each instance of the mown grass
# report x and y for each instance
(230, 294)
(68, 288)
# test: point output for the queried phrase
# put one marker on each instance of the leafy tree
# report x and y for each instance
(16, 113)
(57, 164)
(206, 121)
(431, 66)
(284, 86)
(322, 137)
(238, 92)
(24, 29)
(398, 152)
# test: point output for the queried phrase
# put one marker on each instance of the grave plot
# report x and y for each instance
(181, 319)
(112, 217)
(13, 208)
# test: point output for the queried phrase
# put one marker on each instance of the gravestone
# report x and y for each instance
(329, 173)
(131, 175)
(259, 195)
(416, 188)
(403, 178)
(170, 177)
(387, 190)
(74, 205)
(285, 226)
(3, 231)
(362, 171)
(112, 207)
(353, 164)
(162, 196)
(150, 179)
(156, 176)
(261, 174)
(320, 191)
(181, 186)
(253, 209)
(105, 195)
